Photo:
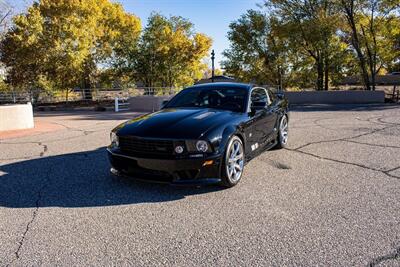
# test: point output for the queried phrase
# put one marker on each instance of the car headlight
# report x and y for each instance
(202, 146)
(114, 139)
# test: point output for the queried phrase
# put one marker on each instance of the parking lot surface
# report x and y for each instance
(331, 199)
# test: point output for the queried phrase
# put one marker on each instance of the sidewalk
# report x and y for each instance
(40, 127)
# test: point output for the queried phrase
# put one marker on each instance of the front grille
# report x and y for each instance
(139, 146)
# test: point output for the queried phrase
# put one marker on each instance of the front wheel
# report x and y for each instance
(233, 163)
(283, 134)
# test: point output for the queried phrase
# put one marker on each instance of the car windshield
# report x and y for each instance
(233, 99)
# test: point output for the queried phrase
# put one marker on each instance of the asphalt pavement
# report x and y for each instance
(332, 198)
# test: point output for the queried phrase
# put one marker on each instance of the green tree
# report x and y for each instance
(293, 45)
(315, 42)
(372, 29)
(65, 41)
(6, 11)
(169, 53)
(311, 28)
(257, 53)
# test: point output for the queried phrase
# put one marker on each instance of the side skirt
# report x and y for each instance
(266, 147)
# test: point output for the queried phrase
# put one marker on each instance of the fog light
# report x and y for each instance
(179, 149)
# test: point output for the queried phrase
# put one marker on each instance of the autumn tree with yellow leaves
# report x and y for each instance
(169, 53)
(64, 44)
(315, 43)
(60, 44)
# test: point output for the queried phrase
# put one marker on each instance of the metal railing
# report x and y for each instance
(96, 94)
(395, 96)
(121, 104)
(15, 97)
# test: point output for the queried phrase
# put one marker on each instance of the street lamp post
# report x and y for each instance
(212, 68)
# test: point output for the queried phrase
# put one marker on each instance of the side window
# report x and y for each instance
(271, 95)
(259, 95)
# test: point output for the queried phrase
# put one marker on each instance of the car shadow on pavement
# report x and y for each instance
(79, 180)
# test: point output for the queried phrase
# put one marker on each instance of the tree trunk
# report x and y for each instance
(373, 82)
(170, 82)
(66, 96)
(371, 61)
(87, 87)
(320, 73)
(326, 66)
(394, 92)
(361, 58)
(280, 82)
(349, 12)
(87, 91)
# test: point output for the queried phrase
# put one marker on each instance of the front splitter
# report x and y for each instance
(194, 182)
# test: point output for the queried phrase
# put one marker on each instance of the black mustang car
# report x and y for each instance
(203, 135)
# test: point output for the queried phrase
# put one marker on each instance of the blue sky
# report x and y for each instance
(211, 17)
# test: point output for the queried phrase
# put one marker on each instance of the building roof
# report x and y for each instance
(223, 84)
(389, 79)
(217, 79)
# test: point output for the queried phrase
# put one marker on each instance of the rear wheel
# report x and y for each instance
(233, 163)
(283, 134)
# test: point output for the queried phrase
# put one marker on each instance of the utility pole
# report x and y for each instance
(212, 68)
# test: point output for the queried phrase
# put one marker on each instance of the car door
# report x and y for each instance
(271, 117)
(256, 130)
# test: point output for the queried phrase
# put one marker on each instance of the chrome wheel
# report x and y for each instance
(235, 160)
(283, 130)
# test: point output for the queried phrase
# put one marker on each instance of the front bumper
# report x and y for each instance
(185, 171)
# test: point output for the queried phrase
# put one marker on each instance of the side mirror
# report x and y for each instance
(280, 95)
(259, 105)
(164, 103)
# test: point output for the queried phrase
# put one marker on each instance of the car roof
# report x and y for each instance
(222, 85)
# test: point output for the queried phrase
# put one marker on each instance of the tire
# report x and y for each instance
(233, 162)
(283, 133)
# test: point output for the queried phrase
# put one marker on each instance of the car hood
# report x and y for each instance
(176, 123)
